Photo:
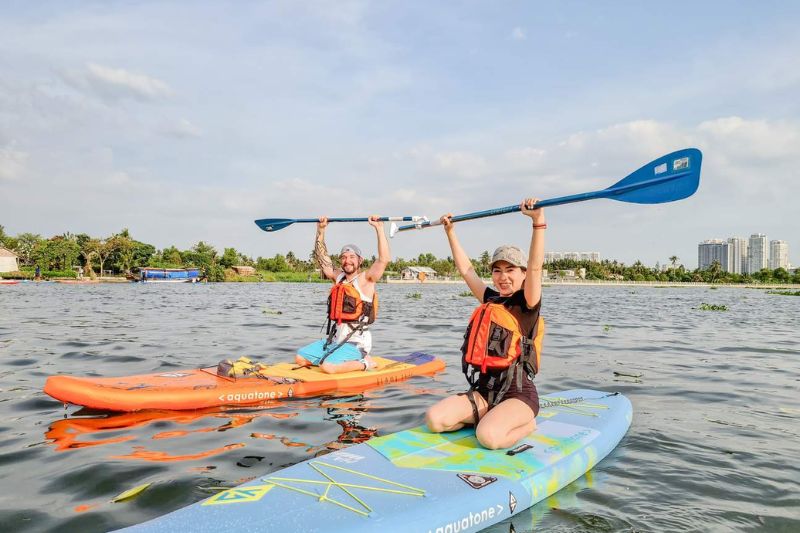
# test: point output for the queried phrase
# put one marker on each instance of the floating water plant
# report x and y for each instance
(606, 328)
(465, 294)
(627, 374)
(712, 307)
(785, 293)
(415, 295)
(268, 311)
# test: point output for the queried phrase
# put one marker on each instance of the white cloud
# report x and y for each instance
(116, 83)
(12, 163)
(182, 129)
(381, 80)
(526, 154)
(288, 196)
(461, 164)
(445, 163)
(753, 138)
(518, 34)
(118, 179)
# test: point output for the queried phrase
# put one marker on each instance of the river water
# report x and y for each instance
(713, 445)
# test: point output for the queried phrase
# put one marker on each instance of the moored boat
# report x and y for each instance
(167, 275)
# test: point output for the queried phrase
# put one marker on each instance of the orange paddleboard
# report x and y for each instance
(202, 387)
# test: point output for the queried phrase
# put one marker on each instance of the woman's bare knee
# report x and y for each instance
(441, 418)
(491, 437)
(448, 414)
(433, 423)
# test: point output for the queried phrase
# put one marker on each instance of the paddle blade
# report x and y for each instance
(671, 177)
(274, 224)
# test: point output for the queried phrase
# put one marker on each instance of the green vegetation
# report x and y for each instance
(613, 270)
(293, 277)
(120, 253)
(415, 295)
(61, 255)
(465, 294)
(712, 307)
(29, 273)
(785, 293)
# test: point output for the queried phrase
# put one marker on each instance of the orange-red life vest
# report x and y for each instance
(346, 305)
(495, 341)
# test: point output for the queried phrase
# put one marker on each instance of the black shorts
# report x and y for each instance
(527, 394)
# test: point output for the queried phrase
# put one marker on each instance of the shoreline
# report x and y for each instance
(416, 282)
(600, 283)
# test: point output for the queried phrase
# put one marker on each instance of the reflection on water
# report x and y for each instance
(79, 431)
(712, 445)
(86, 428)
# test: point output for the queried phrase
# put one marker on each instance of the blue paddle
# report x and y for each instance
(671, 177)
(275, 224)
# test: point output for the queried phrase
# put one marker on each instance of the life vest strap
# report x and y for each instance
(361, 327)
(476, 417)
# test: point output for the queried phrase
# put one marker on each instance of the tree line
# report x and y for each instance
(609, 269)
(120, 253)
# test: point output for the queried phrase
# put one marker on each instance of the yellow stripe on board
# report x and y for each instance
(285, 370)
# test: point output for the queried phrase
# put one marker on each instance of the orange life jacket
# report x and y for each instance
(345, 305)
(494, 341)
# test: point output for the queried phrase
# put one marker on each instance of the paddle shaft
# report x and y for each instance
(275, 224)
(605, 193)
(356, 219)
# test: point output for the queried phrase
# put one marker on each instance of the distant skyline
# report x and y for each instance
(186, 121)
(739, 255)
(769, 240)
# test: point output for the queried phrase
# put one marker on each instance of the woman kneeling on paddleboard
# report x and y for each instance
(502, 344)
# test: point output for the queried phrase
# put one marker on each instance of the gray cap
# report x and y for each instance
(351, 248)
(510, 254)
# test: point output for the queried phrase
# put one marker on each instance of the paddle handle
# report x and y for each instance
(482, 214)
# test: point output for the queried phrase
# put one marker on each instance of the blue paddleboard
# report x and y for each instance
(415, 480)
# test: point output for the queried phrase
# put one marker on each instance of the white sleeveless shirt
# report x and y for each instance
(362, 339)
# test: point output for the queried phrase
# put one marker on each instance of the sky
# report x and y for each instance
(186, 121)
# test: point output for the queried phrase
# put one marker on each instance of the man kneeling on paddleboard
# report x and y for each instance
(502, 344)
(352, 305)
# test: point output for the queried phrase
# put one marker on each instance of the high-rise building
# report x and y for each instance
(737, 256)
(757, 253)
(710, 251)
(778, 254)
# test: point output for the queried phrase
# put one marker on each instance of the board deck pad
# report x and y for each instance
(415, 480)
(198, 388)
